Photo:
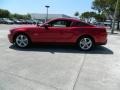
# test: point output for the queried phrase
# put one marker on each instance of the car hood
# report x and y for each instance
(25, 27)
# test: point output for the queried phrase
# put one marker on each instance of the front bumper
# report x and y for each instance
(10, 38)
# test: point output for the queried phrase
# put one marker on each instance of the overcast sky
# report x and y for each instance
(68, 7)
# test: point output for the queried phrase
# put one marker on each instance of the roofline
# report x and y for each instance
(66, 19)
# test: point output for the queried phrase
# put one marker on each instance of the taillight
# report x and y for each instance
(102, 31)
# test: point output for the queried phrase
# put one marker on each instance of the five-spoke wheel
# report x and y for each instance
(22, 41)
(85, 43)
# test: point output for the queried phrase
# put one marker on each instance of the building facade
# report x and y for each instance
(42, 17)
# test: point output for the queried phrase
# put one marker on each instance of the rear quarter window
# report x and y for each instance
(80, 24)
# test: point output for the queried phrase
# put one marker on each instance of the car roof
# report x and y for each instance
(71, 19)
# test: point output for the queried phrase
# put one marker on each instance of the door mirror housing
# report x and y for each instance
(46, 26)
(39, 23)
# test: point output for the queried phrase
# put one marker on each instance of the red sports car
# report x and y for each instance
(60, 31)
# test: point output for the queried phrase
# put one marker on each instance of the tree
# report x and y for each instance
(19, 16)
(4, 13)
(28, 16)
(76, 14)
(100, 17)
(107, 7)
(100, 5)
(88, 16)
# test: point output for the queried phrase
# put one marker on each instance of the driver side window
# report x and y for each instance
(60, 23)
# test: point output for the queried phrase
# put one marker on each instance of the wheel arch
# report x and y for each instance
(18, 33)
(85, 35)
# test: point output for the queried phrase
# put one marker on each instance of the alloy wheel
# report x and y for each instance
(22, 41)
(85, 43)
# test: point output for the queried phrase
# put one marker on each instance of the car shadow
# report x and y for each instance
(63, 49)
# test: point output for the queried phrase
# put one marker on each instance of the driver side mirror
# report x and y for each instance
(46, 26)
(39, 23)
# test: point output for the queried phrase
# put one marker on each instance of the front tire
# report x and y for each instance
(22, 41)
(85, 43)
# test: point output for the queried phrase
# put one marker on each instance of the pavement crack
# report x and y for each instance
(79, 72)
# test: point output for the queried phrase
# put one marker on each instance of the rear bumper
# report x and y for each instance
(101, 39)
(101, 43)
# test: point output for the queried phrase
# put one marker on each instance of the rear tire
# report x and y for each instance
(85, 43)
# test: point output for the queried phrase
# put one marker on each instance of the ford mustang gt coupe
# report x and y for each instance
(60, 31)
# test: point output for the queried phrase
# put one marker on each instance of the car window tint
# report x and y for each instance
(60, 23)
(78, 24)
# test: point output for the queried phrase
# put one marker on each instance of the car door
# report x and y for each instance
(56, 31)
(49, 34)
(43, 34)
(60, 30)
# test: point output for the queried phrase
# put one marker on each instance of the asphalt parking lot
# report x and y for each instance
(59, 67)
